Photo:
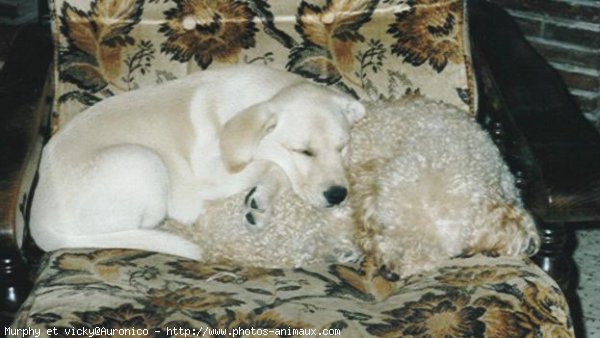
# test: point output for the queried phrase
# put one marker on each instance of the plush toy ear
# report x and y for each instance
(352, 109)
(241, 134)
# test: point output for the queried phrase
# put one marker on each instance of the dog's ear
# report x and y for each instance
(241, 134)
(352, 109)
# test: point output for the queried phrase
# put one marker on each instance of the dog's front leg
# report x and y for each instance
(259, 200)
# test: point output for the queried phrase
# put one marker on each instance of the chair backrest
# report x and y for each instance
(372, 49)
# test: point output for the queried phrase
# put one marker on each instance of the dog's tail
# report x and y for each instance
(140, 239)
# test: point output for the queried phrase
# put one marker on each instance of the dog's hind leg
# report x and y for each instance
(126, 189)
(120, 196)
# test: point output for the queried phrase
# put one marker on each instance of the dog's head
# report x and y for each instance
(304, 129)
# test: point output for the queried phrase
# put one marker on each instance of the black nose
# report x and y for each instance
(335, 195)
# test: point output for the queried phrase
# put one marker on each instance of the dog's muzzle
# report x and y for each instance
(335, 195)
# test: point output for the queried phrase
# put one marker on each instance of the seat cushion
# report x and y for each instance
(127, 289)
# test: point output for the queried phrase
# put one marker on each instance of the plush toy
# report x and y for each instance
(297, 234)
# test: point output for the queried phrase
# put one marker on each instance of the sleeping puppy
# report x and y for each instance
(117, 170)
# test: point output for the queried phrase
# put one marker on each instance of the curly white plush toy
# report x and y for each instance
(298, 234)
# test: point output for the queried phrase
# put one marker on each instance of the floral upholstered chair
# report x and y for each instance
(368, 48)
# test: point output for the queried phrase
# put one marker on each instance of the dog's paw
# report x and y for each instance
(257, 207)
(252, 199)
(378, 285)
(375, 267)
(260, 199)
(256, 219)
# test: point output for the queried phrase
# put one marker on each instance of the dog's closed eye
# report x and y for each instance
(305, 152)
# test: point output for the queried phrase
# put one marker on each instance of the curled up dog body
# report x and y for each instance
(116, 171)
(434, 188)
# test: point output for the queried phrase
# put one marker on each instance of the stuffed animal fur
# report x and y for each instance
(298, 234)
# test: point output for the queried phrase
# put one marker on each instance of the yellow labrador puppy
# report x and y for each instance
(116, 171)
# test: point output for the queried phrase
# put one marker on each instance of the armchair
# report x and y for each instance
(513, 93)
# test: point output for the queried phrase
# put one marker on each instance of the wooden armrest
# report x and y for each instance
(495, 114)
(549, 145)
(522, 95)
(24, 117)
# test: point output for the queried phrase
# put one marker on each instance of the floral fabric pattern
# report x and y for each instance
(370, 49)
(122, 289)
(95, 42)
(208, 30)
(429, 31)
(329, 34)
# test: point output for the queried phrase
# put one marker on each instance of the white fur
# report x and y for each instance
(117, 170)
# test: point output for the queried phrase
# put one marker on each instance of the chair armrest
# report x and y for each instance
(24, 116)
(524, 101)
(494, 113)
(24, 98)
